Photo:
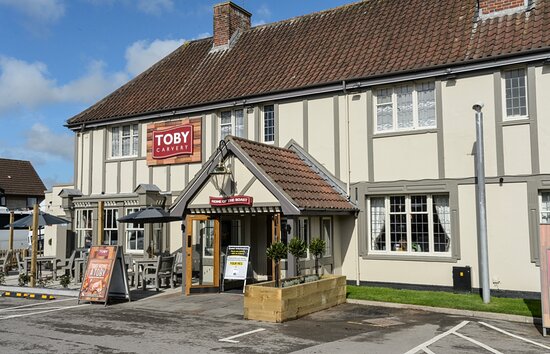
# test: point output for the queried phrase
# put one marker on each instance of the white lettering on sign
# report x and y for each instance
(175, 138)
(172, 142)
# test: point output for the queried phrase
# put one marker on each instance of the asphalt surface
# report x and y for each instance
(172, 323)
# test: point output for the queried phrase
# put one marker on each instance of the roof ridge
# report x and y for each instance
(8, 159)
(313, 14)
(259, 143)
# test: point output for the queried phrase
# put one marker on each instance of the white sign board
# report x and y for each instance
(236, 262)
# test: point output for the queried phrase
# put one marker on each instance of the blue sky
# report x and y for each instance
(58, 57)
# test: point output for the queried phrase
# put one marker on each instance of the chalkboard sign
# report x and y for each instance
(105, 276)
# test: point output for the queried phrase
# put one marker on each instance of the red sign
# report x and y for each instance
(234, 200)
(173, 142)
(98, 273)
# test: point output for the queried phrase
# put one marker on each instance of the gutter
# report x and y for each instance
(417, 74)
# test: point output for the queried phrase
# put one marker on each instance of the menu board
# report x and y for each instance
(236, 262)
(105, 268)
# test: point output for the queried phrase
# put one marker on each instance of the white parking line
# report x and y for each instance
(484, 346)
(428, 351)
(230, 339)
(424, 346)
(35, 304)
(513, 335)
(39, 312)
(33, 309)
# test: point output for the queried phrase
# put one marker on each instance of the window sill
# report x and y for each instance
(410, 257)
(404, 132)
(124, 158)
(515, 121)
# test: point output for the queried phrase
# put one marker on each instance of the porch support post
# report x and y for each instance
(100, 222)
(290, 261)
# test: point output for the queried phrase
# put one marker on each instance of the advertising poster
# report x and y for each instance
(236, 263)
(95, 285)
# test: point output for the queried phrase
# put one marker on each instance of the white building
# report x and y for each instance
(374, 102)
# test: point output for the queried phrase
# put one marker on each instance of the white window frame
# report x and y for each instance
(110, 226)
(265, 134)
(84, 227)
(408, 212)
(325, 237)
(505, 115)
(395, 123)
(544, 205)
(233, 124)
(134, 228)
(117, 132)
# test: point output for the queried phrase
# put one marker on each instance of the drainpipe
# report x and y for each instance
(348, 182)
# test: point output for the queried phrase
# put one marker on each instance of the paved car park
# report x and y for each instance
(171, 323)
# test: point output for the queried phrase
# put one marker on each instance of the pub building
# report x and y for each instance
(353, 124)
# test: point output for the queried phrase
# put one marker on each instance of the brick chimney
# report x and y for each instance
(493, 8)
(228, 20)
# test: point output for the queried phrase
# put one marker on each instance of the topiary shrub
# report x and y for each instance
(317, 248)
(276, 252)
(298, 249)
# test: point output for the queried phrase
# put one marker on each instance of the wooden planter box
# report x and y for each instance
(264, 302)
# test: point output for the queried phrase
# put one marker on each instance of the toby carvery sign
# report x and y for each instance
(173, 142)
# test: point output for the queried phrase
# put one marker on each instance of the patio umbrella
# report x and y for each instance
(43, 220)
(149, 215)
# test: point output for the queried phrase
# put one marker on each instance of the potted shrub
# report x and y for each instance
(317, 248)
(298, 249)
(276, 252)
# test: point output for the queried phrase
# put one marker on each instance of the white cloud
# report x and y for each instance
(29, 85)
(155, 7)
(142, 54)
(40, 10)
(263, 11)
(39, 138)
(258, 23)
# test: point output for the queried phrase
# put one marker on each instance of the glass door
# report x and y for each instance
(203, 255)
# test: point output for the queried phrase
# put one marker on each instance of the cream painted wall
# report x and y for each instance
(78, 159)
(242, 176)
(358, 135)
(320, 128)
(97, 161)
(207, 126)
(177, 177)
(176, 240)
(508, 238)
(291, 122)
(510, 266)
(517, 149)
(406, 157)
(126, 176)
(143, 132)
(111, 177)
(142, 172)
(459, 124)
(86, 137)
(159, 177)
(543, 116)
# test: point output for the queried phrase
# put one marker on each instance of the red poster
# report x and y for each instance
(97, 278)
(173, 142)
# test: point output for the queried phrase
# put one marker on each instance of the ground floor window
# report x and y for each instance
(135, 234)
(84, 228)
(410, 224)
(545, 208)
(110, 227)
